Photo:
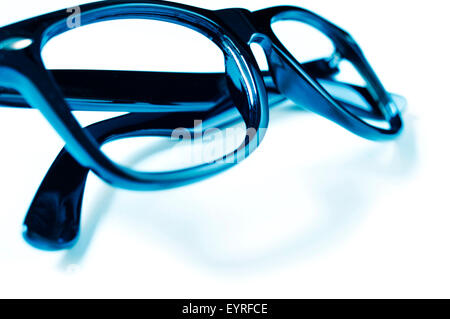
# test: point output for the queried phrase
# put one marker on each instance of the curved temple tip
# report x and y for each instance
(400, 101)
(52, 222)
(43, 243)
(53, 219)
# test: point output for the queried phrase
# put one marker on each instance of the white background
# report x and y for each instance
(315, 212)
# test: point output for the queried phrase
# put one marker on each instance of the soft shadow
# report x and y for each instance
(103, 201)
(343, 191)
(98, 211)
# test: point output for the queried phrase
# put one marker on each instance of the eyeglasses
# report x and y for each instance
(162, 102)
(53, 219)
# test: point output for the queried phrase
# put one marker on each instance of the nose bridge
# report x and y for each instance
(239, 22)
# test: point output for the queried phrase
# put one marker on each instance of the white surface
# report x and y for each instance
(315, 212)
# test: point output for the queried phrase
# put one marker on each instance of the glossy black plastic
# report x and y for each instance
(232, 30)
(171, 100)
(53, 219)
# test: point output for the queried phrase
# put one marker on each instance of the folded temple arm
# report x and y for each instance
(140, 91)
(53, 219)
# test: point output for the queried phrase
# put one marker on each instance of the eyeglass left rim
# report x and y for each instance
(24, 71)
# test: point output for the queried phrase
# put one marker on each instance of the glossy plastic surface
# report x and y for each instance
(134, 91)
(53, 219)
(23, 71)
(287, 72)
(233, 30)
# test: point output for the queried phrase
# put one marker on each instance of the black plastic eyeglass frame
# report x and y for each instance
(53, 219)
(25, 82)
(233, 30)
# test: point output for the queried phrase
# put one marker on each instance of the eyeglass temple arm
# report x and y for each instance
(53, 219)
(102, 90)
